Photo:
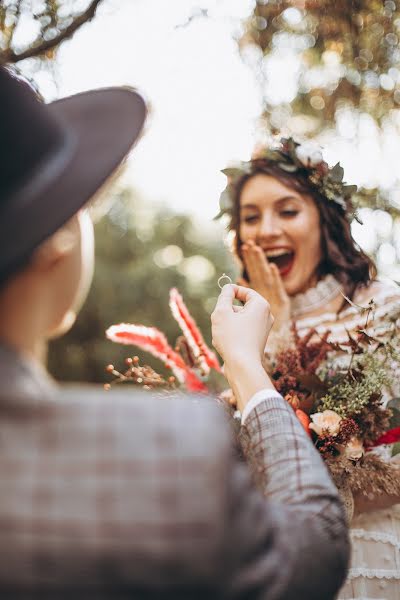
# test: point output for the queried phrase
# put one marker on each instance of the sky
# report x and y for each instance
(204, 100)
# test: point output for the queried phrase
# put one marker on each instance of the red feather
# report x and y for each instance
(191, 331)
(154, 341)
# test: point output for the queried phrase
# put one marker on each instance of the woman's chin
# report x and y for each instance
(290, 283)
(294, 287)
(296, 283)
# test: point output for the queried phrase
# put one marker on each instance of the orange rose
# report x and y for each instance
(325, 423)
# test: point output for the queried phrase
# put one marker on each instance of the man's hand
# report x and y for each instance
(264, 278)
(241, 332)
(240, 335)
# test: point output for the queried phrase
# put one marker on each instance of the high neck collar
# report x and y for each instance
(316, 297)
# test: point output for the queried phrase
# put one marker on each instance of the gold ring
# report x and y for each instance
(224, 276)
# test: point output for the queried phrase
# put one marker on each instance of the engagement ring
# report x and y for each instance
(228, 280)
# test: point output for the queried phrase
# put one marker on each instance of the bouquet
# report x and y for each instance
(337, 400)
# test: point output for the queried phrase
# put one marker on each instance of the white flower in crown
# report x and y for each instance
(309, 154)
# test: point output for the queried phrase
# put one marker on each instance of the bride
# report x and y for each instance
(290, 215)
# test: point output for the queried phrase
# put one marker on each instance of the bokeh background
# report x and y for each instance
(221, 76)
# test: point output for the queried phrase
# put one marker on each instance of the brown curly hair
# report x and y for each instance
(341, 256)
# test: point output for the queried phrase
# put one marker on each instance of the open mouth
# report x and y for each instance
(283, 259)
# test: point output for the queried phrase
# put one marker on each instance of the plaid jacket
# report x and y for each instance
(123, 495)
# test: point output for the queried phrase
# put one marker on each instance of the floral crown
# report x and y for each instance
(294, 158)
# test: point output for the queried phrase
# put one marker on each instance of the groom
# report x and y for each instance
(122, 495)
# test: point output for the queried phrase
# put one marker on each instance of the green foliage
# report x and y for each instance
(353, 392)
(344, 59)
(348, 53)
(135, 244)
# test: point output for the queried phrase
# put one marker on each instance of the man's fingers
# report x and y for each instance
(246, 295)
(226, 297)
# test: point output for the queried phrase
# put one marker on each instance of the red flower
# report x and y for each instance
(390, 437)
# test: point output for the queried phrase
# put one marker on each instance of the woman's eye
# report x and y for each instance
(289, 213)
(250, 218)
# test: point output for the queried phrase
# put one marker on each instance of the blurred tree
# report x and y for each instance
(46, 23)
(142, 251)
(344, 53)
(340, 62)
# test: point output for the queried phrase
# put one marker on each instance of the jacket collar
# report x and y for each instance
(22, 378)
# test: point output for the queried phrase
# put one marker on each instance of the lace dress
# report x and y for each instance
(375, 565)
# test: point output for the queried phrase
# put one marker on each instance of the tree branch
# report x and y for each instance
(11, 57)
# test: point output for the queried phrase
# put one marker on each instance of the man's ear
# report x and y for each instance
(54, 249)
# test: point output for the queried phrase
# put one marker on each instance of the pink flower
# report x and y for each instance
(325, 423)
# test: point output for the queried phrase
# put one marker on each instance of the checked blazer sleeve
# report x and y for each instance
(291, 539)
(124, 495)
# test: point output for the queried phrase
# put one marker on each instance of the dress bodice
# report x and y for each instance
(386, 307)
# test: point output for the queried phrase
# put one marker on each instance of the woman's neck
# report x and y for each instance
(325, 297)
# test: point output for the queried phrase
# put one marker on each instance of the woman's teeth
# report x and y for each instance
(276, 252)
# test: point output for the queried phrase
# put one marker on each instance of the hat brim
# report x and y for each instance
(102, 127)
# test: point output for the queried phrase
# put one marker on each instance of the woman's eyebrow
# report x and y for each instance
(280, 200)
(249, 206)
(286, 198)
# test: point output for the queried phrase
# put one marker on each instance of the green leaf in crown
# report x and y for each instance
(293, 157)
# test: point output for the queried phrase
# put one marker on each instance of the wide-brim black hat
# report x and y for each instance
(54, 157)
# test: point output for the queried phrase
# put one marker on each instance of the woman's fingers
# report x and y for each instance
(264, 272)
(264, 267)
(278, 282)
(241, 281)
(249, 264)
(256, 265)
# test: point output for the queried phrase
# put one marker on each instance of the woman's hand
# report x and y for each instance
(240, 334)
(266, 280)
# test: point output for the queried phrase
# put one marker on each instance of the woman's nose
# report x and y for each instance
(270, 226)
